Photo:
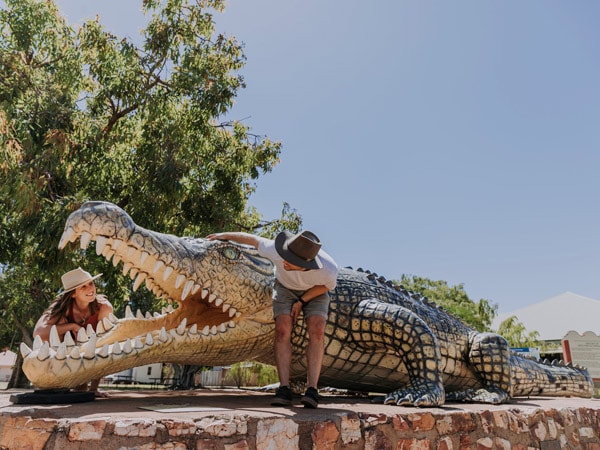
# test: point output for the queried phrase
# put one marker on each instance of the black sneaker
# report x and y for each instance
(310, 399)
(283, 396)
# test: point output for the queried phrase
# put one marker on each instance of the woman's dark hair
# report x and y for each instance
(62, 303)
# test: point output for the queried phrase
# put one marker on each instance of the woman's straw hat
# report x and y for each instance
(76, 278)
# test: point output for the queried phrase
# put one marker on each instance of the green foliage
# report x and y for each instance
(515, 333)
(251, 374)
(478, 315)
(86, 115)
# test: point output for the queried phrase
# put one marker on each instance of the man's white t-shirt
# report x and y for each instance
(300, 280)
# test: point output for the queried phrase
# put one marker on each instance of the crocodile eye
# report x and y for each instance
(231, 253)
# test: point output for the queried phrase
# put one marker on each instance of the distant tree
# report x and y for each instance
(87, 115)
(478, 314)
(515, 333)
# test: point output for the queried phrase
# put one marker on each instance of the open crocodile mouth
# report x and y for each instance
(199, 315)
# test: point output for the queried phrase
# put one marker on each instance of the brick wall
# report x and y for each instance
(572, 428)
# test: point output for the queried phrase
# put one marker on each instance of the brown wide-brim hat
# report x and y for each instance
(76, 278)
(299, 249)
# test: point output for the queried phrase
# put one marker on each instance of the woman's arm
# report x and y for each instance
(105, 309)
(44, 325)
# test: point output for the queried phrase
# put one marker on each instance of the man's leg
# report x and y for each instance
(283, 347)
(315, 350)
(314, 359)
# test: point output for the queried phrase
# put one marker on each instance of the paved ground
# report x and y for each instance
(200, 403)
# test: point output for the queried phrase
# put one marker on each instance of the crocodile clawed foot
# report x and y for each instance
(421, 394)
(491, 395)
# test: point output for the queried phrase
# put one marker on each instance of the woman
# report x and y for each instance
(77, 306)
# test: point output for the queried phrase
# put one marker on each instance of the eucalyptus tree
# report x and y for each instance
(478, 314)
(87, 115)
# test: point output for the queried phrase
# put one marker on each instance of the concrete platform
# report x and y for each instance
(242, 419)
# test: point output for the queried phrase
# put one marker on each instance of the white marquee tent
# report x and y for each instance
(555, 317)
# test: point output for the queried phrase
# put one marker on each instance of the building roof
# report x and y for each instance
(556, 316)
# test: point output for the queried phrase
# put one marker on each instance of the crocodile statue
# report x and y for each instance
(380, 338)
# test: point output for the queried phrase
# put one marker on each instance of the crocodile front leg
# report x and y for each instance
(378, 325)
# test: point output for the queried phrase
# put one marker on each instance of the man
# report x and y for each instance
(304, 274)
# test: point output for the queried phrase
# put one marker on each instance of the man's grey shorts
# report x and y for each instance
(284, 298)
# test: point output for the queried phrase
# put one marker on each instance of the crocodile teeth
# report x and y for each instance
(82, 336)
(54, 338)
(149, 340)
(68, 340)
(222, 328)
(139, 280)
(61, 352)
(139, 315)
(116, 260)
(89, 349)
(206, 330)
(116, 348)
(128, 312)
(116, 243)
(232, 312)
(126, 268)
(193, 329)
(85, 239)
(179, 281)
(181, 327)
(187, 289)
(25, 350)
(213, 329)
(218, 302)
(168, 272)
(137, 343)
(44, 351)
(231, 324)
(67, 236)
(163, 335)
(103, 353)
(100, 328)
(89, 329)
(37, 342)
(127, 348)
(157, 266)
(143, 257)
(100, 244)
(75, 353)
(107, 324)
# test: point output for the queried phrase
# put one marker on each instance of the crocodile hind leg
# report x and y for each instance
(379, 325)
(489, 356)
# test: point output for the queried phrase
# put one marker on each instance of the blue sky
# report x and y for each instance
(452, 140)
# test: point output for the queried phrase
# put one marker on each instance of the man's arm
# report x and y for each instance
(313, 292)
(239, 237)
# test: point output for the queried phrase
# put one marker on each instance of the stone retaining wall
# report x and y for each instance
(568, 428)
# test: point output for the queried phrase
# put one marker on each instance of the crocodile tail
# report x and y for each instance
(530, 377)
